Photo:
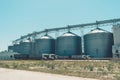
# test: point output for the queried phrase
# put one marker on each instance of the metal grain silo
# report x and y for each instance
(16, 47)
(11, 48)
(26, 47)
(68, 44)
(98, 43)
(45, 45)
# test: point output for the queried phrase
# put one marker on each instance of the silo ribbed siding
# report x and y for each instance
(98, 43)
(68, 44)
(45, 45)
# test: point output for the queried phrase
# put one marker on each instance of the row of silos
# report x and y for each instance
(97, 43)
(66, 45)
(22, 47)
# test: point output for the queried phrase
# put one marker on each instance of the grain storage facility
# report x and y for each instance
(68, 44)
(98, 43)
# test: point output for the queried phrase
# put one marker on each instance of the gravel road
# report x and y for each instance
(11, 74)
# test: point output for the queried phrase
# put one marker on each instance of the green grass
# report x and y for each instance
(90, 69)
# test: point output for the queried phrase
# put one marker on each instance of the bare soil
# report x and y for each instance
(11, 74)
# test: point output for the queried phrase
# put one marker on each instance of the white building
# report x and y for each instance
(7, 55)
(116, 46)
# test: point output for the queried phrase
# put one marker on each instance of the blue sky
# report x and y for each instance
(20, 17)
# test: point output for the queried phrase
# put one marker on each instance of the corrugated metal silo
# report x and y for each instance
(26, 47)
(16, 47)
(45, 45)
(11, 48)
(98, 43)
(68, 44)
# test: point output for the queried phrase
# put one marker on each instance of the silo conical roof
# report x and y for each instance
(68, 34)
(98, 30)
(46, 37)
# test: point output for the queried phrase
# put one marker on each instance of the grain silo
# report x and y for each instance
(98, 43)
(45, 45)
(16, 47)
(25, 46)
(68, 44)
(11, 48)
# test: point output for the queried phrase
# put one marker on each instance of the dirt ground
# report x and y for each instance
(11, 74)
